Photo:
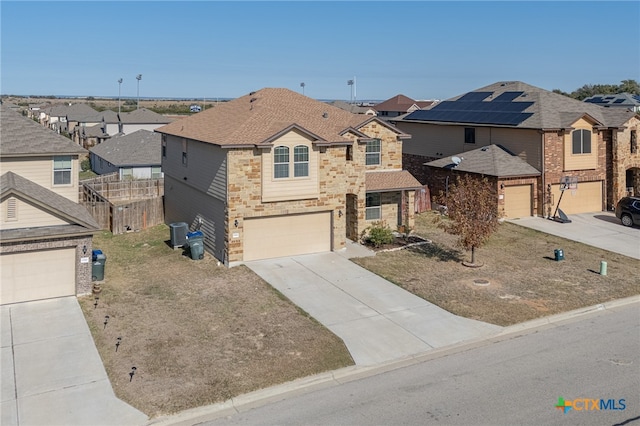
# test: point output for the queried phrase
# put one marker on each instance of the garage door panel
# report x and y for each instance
(518, 201)
(586, 198)
(37, 275)
(291, 235)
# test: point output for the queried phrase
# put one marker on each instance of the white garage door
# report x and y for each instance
(37, 275)
(290, 235)
(517, 201)
(586, 199)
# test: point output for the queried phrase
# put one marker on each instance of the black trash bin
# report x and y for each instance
(195, 241)
(97, 268)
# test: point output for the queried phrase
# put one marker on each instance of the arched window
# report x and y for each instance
(281, 162)
(300, 161)
(581, 141)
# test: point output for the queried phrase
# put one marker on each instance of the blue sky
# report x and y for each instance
(209, 49)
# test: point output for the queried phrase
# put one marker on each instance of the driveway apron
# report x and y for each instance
(377, 320)
(52, 373)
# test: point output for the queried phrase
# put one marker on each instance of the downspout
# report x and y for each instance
(545, 200)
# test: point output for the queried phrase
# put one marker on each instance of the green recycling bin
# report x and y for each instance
(97, 265)
(195, 241)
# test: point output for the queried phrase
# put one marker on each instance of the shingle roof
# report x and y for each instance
(381, 181)
(140, 148)
(79, 218)
(22, 136)
(491, 160)
(143, 116)
(255, 118)
(548, 110)
(63, 110)
(94, 131)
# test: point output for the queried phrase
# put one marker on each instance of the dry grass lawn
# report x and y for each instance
(525, 281)
(196, 332)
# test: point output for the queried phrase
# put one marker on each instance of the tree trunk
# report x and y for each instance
(473, 255)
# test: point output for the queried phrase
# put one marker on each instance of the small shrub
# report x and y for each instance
(379, 234)
(85, 164)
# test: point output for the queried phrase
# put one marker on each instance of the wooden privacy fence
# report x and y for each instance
(124, 205)
(422, 200)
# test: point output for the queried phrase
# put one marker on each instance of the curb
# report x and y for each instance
(258, 398)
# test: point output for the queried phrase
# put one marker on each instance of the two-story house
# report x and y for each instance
(562, 138)
(45, 235)
(275, 173)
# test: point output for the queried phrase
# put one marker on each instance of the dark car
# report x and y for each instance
(628, 211)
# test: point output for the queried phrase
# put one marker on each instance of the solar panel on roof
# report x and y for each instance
(507, 96)
(618, 101)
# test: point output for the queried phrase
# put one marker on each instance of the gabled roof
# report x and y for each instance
(255, 118)
(491, 160)
(140, 148)
(143, 116)
(517, 104)
(80, 220)
(94, 131)
(24, 137)
(390, 180)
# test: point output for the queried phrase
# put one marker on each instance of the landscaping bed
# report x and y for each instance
(197, 333)
(520, 279)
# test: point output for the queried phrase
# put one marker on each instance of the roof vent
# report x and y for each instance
(325, 115)
(484, 148)
(252, 93)
(253, 99)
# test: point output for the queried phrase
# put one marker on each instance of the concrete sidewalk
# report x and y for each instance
(52, 373)
(377, 320)
(599, 229)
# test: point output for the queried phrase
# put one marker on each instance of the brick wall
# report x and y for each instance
(624, 160)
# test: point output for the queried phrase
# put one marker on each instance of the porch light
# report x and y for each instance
(235, 223)
(339, 213)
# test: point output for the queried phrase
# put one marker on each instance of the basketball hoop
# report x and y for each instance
(569, 182)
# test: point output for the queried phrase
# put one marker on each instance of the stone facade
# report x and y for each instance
(83, 270)
(623, 171)
(341, 183)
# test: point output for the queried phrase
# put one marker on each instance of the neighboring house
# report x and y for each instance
(46, 236)
(107, 120)
(400, 105)
(353, 108)
(55, 116)
(88, 137)
(141, 119)
(558, 136)
(621, 100)
(506, 171)
(275, 173)
(133, 156)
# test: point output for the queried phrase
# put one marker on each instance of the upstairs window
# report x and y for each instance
(300, 161)
(62, 170)
(469, 135)
(372, 152)
(634, 142)
(581, 141)
(349, 153)
(184, 152)
(373, 210)
(281, 162)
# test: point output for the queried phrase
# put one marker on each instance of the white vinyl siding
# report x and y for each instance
(27, 215)
(39, 170)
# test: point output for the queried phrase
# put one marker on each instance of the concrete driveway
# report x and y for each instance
(377, 320)
(600, 229)
(52, 373)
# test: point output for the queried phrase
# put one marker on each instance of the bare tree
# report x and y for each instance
(472, 207)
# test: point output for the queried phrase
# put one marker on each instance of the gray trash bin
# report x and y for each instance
(97, 268)
(195, 241)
